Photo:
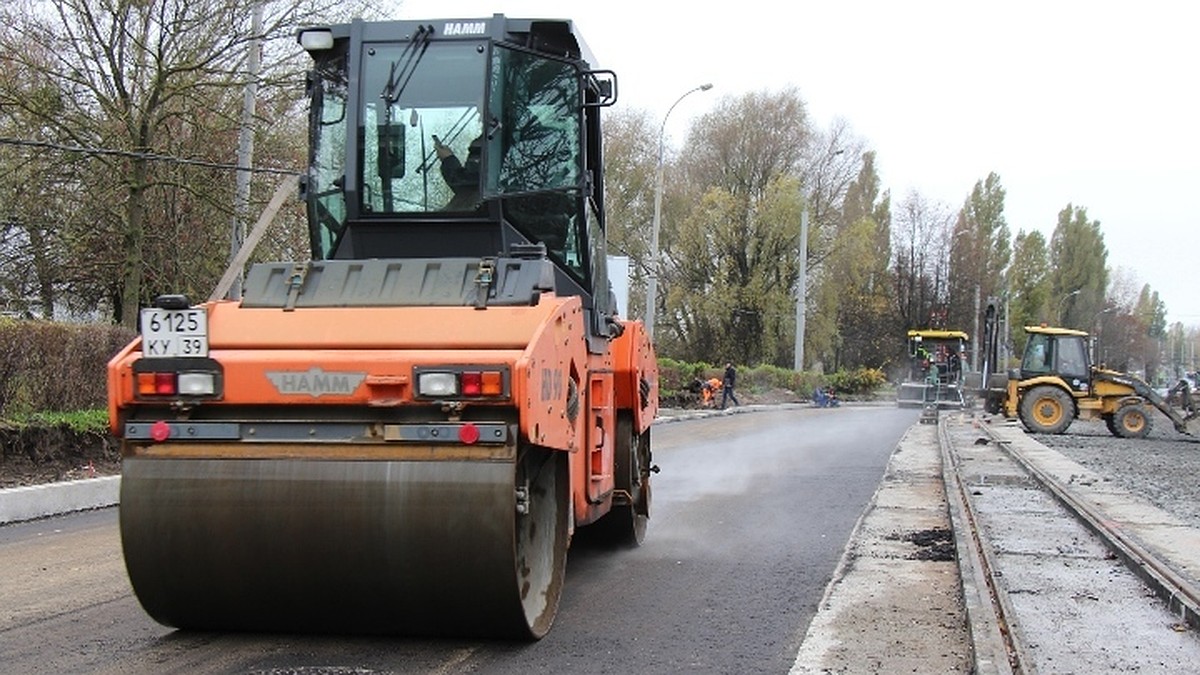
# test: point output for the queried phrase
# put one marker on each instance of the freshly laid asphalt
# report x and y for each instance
(1174, 542)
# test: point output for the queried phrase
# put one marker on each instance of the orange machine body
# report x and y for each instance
(363, 359)
(399, 433)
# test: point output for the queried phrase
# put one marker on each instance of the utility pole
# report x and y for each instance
(801, 291)
(975, 330)
(245, 156)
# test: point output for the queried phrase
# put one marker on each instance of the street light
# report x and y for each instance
(652, 280)
(1063, 301)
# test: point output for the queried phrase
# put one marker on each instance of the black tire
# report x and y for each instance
(542, 537)
(1046, 409)
(1131, 421)
(625, 524)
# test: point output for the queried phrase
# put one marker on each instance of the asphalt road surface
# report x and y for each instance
(751, 513)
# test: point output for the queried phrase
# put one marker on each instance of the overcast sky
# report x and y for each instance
(1089, 103)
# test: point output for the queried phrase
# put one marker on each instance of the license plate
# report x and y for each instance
(174, 332)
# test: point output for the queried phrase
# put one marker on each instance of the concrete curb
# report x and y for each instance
(40, 501)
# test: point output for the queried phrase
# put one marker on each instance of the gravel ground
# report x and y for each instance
(1164, 467)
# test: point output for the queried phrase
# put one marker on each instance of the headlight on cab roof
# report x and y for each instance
(316, 39)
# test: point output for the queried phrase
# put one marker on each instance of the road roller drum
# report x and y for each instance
(413, 547)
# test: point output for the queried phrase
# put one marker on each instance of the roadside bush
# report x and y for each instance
(55, 367)
(675, 376)
(860, 382)
(806, 382)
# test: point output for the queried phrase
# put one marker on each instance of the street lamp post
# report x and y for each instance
(1063, 301)
(652, 278)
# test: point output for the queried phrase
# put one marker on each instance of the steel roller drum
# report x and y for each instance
(310, 545)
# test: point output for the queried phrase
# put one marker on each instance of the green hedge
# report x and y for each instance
(674, 378)
(55, 367)
(50, 367)
(861, 382)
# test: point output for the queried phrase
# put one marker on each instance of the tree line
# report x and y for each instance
(119, 132)
(729, 251)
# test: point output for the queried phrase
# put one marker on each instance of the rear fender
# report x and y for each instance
(636, 375)
(120, 383)
(549, 380)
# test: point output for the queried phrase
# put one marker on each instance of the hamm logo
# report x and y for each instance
(315, 382)
(465, 28)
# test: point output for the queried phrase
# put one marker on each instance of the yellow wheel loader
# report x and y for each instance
(1057, 383)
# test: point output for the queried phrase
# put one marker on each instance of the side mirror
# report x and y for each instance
(604, 84)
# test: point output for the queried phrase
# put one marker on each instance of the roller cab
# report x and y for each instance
(401, 433)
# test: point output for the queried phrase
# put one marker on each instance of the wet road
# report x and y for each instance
(750, 515)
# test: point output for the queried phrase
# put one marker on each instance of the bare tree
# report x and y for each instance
(921, 259)
(130, 85)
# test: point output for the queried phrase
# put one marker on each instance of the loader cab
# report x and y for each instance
(1057, 352)
(459, 139)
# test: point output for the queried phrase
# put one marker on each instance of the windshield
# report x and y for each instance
(1038, 355)
(421, 128)
(537, 101)
(327, 163)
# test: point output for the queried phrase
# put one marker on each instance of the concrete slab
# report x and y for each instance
(888, 609)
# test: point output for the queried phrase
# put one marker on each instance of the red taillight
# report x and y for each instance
(472, 383)
(164, 383)
(156, 384)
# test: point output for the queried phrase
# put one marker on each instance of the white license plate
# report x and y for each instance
(174, 332)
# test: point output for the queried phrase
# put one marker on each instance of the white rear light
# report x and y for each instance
(196, 384)
(437, 384)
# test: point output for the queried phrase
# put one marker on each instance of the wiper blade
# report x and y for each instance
(403, 68)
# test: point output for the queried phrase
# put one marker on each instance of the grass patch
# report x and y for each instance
(78, 420)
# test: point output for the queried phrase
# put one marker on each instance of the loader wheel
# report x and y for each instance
(625, 524)
(1130, 421)
(1047, 410)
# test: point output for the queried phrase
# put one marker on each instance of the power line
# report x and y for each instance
(151, 156)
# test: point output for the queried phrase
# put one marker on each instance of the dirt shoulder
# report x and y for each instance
(31, 455)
